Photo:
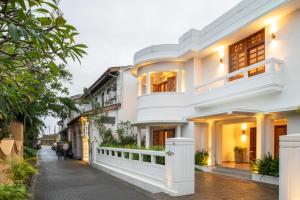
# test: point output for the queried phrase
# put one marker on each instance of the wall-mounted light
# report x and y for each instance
(273, 27)
(244, 136)
(221, 51)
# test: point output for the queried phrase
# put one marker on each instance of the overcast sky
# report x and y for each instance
(114, 30)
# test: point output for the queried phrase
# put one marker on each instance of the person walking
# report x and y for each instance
(66, 148)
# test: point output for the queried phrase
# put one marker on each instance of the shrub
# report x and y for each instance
(266, 166)
(135, 156)
(13, 192)
(146, 158)
(29, 153)
(160, 160)
(20, 171)
(201, 158)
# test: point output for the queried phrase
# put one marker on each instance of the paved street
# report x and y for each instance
(69, 179)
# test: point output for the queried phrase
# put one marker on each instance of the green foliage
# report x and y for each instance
(201, 158)
(13, 192)
(29, 153)
(160, 160)
(124, 136)
(239, 148)
(36, 43)
(266, 166)
(135, 156)
(20, 171)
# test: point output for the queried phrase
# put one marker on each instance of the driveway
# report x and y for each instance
(219, 187)
(72, 180)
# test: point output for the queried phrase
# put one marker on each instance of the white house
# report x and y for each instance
(235, 83)
(113, 95)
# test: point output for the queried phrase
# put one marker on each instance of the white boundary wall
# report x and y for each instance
(176, 177)
(289, 180)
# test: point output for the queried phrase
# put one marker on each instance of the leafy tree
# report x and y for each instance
(36, 43)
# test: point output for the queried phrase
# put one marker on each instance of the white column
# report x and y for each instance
(179, 81)
(140, 86)
(289, 178)
(180, 166)
(139, 138)
(260, 127)
(148, 83)
(178, 131)
(218, 143)
(147, 139)
(211, 130)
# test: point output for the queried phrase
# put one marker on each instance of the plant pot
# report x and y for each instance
(239, 156)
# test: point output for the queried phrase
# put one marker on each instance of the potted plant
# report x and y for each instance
(239, 153)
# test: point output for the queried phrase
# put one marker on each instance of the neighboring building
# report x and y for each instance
(49, 139)
(78, 129)
(63, 133)
(113, 96)
(233, 83)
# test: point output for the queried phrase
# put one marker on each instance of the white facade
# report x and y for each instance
(207, 104)
(115, 95)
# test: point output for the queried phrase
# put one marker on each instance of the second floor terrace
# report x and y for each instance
(253, 60)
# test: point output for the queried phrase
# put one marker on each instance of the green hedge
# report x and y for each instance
(201, 158)
(29, 153)
(266, 166)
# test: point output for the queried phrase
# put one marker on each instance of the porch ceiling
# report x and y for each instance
(224, 115)
(159, 123)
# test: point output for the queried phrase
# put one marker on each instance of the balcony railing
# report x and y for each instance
(272, 65)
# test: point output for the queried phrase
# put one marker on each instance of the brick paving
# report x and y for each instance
(71, 180)
(219, 187)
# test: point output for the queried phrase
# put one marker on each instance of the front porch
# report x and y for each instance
(233, 139)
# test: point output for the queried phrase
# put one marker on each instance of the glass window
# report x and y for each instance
(163, 82)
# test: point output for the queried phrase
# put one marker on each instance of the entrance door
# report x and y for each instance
(279, 131)
(160, 136)
(252, 144)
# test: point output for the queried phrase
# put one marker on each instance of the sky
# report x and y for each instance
(114, 30)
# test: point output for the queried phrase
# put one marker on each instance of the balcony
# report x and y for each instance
(239, 85)
(161, 106)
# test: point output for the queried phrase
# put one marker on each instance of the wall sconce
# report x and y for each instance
(221, 51)
(244, 136)
(273, 26)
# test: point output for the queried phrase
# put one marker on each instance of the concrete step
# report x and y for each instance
(233, 172)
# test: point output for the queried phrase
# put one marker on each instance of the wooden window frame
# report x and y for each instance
(244, 46)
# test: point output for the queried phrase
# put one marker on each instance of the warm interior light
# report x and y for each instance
(243, 137)
(244, 127)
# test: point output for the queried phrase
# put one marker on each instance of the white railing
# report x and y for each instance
(170, 171)
(144, 156)
(271, 65)
(142, 164)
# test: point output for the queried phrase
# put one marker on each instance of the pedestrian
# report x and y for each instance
(66, 148)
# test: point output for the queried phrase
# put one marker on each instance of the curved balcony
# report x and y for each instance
(163, 106)
(229, 87)
(156, 52)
